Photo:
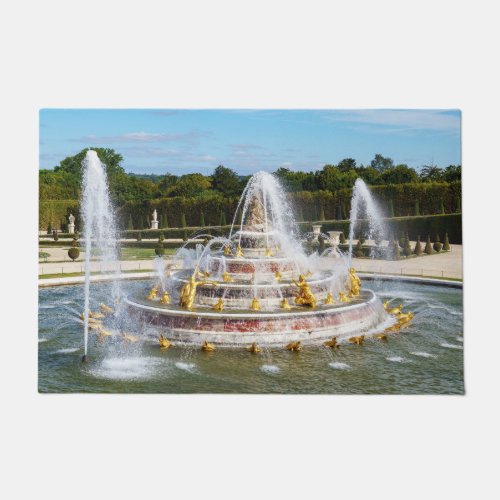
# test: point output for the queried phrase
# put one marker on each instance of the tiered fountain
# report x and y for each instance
(257, 286)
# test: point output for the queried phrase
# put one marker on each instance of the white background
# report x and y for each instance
(432, 54)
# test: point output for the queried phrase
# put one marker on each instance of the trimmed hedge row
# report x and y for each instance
(395, 200)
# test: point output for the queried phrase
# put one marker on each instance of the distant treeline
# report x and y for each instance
(199, 200)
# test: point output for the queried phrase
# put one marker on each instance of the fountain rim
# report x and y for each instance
(256, 315)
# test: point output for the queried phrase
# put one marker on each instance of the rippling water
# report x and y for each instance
(426, 358)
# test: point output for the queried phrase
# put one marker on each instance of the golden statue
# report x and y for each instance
(294, 346)
(188, 292)
(254, 348)
(404, 317)
(358, 340)
(395, 310)
(343, 297)
(255, 305)
(202, 274)
(165, 298)
(103, 333)
(268, 252)
(164, 342)
(207, 347)
(227, 277)
(305, 297)
(355, 283)
(106, 309)
(239, 251)
(153, 294)
(332, 343)
(284, 303)
(219, 305)
(329, 299)
(381, 336)
(227, 250)
(277, 275)
(386, 304)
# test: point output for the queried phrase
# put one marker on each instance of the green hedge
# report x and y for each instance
(430, 197)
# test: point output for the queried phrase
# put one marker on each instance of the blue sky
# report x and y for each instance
(185, 141)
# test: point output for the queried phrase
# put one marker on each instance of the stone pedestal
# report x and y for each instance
(154, 224)
(334, 237)
(71, 228)
(316, 230)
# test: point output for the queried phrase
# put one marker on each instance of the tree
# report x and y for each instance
(358, 250)
(73, 253)
(165, 221)
(417, 208)
(56, 236)
(130, 224)
(400, 174)
(346, 164)
(189, 185)
(446, 245)
(395, 251)
(161, 238)
(159, 250)
(226, 181)
(407, 248)
(428, 247)
(342, 238)
(49, 228)
(418, 247)
(139, 237)
(202, 219)
(453, 173)
(430, 173)
(441, 206)
(381, 163)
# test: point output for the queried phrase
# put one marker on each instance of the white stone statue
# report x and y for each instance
(154, 222)
(71, 225)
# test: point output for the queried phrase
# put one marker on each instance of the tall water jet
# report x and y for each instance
(99, 229)
(362, 199)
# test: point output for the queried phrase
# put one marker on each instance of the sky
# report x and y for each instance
(156, 141)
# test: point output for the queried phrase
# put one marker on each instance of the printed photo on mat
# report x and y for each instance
(250, 251)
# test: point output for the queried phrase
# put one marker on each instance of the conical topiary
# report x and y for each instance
(49, 228)
(130, 224)
(441, 207)
(437, 246)
(395, 251)
(161, 237)
(428, 246)
(165, 221)
(202, 219)
(358, 250)
(418, 247)
(459, 205)
(183, 220)
(159, 250)
(139, 237)
(417, 208)
(446, 245)
(407, 248)
(342, 238)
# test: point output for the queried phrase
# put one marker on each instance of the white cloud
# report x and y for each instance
(191, 137)
(399, 119)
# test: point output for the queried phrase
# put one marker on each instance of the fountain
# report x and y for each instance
(99, 231)
(258, 287)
